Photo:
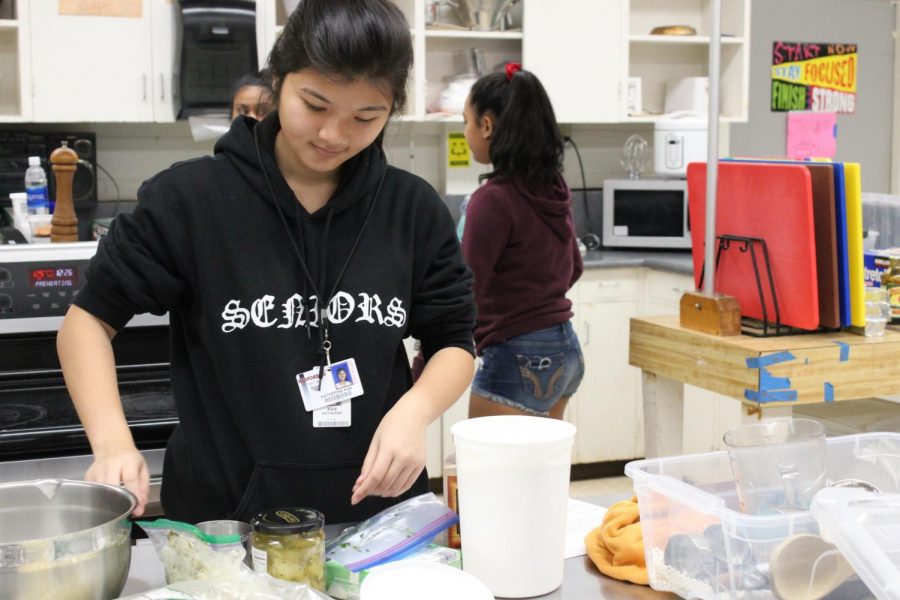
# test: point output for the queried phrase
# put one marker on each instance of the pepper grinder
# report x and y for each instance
(64, 225)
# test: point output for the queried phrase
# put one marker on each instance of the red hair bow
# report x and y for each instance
(511, 69)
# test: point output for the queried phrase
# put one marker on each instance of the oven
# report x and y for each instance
(40, 434)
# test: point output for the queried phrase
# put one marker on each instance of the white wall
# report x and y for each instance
(133, 152)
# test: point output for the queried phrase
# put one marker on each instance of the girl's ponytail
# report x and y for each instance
(526, 142)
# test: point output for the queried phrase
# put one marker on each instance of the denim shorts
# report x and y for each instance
(531, 372)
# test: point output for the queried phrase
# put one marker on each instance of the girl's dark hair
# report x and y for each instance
(526, 142)
(261, 79)
(347, 39)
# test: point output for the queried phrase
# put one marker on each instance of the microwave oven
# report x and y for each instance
(646, 213)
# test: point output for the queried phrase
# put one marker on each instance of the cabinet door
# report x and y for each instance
(90, 68)
(576, 48)
(607, 407)
(165, 22)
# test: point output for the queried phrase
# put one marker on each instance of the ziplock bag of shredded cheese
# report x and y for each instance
(187, 553)
(247, 586)
(392, 533)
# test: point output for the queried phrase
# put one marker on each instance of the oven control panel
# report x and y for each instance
(38, 283)
(39, 289)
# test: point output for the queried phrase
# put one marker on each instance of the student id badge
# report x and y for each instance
(340, 382)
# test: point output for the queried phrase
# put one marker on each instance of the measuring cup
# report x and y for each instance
(778, 465)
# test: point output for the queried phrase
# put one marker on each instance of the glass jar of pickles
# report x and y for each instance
(289, 543)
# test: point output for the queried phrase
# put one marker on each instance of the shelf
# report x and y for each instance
(698, 40)
(11, 118)
(9, 24)
(473, 35)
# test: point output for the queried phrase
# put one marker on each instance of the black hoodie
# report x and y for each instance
(207, 244)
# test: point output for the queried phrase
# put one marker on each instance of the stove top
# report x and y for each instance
(43, 421)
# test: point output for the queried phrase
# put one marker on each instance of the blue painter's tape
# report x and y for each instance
(845, 351)
(829, 392)
(771, 396)
(755, 362)
(768, 382)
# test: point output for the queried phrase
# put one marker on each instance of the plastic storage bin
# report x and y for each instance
(698, 544)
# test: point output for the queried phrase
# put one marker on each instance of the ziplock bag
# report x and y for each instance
(189, 554)
(247, 586)
(392, 533)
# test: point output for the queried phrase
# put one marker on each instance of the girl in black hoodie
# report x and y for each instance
(293, 248)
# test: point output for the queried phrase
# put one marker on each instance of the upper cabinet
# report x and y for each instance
(660, 60)
(577, 50)
(15, 82)
(61, 62)
(103, 61)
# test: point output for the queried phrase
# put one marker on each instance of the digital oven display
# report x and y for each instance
(54, 277)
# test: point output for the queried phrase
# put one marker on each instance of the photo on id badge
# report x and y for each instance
(340, 381)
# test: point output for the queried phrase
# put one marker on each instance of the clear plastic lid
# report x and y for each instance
(865, 526)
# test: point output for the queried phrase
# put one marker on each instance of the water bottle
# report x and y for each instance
(36, 187)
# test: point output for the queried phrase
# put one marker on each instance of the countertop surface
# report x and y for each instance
(581, 579)
(673, 261)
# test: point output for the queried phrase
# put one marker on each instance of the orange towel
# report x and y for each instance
(617, 546)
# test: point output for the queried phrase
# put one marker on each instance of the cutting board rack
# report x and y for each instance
(750, 326)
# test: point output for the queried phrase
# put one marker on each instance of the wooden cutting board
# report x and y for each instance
(769, 201)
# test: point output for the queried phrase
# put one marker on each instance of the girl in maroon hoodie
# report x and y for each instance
(519, 240)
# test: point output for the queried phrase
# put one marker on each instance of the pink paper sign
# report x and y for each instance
(811, 135)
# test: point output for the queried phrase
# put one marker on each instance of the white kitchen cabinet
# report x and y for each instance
(103, 68)
(607, 408)
(15, 82)
(707, 415)
(658, 59)
(577, 50)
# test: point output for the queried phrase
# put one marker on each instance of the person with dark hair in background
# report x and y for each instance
(295, 247)
(519, 240)
(252, 95)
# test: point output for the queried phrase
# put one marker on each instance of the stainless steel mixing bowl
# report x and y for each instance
(64, 539)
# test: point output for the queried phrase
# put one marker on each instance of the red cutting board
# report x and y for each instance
(768, 201)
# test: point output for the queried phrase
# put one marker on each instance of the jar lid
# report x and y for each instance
(284, 521)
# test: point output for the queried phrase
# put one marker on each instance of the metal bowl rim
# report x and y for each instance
(117, 489)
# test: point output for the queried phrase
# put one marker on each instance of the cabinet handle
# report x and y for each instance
(144, 84)
(678, 290)
(162, 87)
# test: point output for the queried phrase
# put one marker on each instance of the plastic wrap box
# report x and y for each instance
(695, 498)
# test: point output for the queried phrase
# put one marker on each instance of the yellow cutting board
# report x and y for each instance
(853, 186)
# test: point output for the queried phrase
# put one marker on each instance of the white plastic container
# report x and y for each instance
(406, 580)
(693, 499)
(20, 214)
(679, 138)
(513, 486)
(866, 529)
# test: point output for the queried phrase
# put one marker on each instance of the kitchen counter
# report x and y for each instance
(672, 261)
(581, 579)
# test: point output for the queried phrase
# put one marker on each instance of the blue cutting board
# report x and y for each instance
(840, 200)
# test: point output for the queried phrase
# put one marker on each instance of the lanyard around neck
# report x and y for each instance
(324, 341)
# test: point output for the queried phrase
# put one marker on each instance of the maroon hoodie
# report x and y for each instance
(522, 249)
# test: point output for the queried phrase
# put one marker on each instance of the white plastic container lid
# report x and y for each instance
(865, 527)
(681, 121)
(34, 161)
(417, 580)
